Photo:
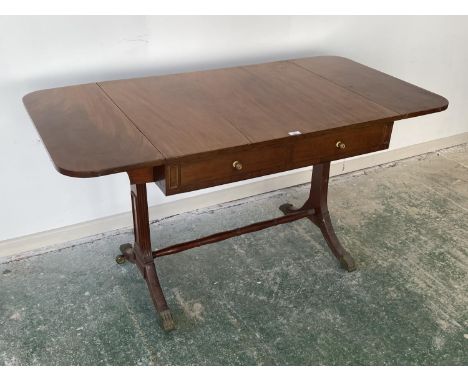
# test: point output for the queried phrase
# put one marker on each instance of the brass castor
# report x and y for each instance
(167, 320)
(120, 259)
(125, 249)
(347, 262)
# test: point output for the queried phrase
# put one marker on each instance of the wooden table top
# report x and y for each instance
(115, 126)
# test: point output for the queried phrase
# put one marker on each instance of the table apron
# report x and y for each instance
(212, 169)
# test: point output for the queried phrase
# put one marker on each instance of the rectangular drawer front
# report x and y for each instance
(343, 143)
(188, 174)
(220, 168)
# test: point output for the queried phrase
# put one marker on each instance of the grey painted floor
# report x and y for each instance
(272, 297)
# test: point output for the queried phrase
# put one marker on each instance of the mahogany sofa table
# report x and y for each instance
(190, 131)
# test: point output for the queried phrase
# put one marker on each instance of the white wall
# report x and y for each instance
(43, 52)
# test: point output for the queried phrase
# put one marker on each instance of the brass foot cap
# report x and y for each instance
(347, 262)
(120, 259)
(167, 320)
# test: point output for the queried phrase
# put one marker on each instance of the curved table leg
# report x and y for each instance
(141, 254)
(158, 298)
(317, 202)
(324, 223)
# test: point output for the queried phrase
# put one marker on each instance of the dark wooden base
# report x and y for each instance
(141, 254)
(149, 274)
(317, 203)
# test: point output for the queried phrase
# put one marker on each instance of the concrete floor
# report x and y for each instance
(273, 297)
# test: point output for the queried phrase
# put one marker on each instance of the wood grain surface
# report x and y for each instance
(405, 99)
(97, 129)
(86, 134)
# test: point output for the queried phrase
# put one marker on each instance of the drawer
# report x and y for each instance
(224, 167)
(340, 143)
(212, 169)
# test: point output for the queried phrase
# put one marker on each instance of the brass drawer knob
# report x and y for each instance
(237, 165)
(340, 145)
